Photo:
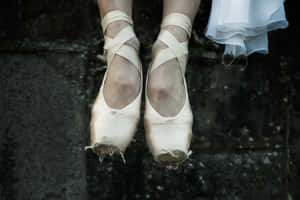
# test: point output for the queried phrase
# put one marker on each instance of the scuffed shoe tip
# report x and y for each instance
(106, 150)
(172, 157)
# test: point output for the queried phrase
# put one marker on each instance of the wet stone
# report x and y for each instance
(217, 176)
(112, 178)
(49, 20)
(230, 110)
(43, 127)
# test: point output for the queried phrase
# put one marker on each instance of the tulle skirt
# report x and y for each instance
(243, 25)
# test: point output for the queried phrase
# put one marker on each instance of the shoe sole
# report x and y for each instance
(107, 150)
(173, 158)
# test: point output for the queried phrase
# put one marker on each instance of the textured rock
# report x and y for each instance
(217, 176)
(43, 126)
(48, 20)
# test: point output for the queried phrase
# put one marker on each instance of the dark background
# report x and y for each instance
(246, 142)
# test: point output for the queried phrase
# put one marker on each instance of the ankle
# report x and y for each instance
(115, 27)
(158, 45)
(179, 33)
(135, 43)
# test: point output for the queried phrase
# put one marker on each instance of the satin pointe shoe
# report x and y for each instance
(169, 138)
(113, 129)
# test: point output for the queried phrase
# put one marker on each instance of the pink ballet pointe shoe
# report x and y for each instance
(169, 138)
(113, 129)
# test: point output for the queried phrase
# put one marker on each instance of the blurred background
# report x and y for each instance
(246, 142)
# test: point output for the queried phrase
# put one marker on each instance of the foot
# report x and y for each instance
(123, 81)
(166, 89)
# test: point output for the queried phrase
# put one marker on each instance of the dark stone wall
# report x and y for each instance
(246, 142)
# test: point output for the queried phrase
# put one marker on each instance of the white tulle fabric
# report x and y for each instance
(242, 25)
